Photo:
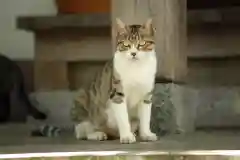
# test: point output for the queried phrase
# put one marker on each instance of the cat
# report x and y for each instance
(118, 102)
(14, 101)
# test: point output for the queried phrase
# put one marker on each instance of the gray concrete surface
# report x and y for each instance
(15, 138)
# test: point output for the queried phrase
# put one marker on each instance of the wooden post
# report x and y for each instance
(171, 37)
(169, 18)
(130, 12)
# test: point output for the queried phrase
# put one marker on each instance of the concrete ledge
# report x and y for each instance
(175, 108)
(56, 104)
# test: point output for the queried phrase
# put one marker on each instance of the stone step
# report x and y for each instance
(175, 107)
(195, 146)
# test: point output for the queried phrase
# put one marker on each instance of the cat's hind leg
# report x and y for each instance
(86, 130)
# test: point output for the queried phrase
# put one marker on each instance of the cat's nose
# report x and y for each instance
(133, 54)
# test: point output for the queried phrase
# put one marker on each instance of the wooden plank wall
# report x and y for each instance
(210, 33)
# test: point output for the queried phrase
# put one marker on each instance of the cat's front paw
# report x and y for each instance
(128, 138)
(149, 136)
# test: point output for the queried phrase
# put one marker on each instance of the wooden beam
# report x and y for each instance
(213, 39)
(130, 12)
(171, 37)
(169, 18)
(84, 22)
(205, 4)
(170, 21)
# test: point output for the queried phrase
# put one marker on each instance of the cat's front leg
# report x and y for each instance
(119, 109)
(144, 113)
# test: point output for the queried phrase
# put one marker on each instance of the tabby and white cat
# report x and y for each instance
(119, 101)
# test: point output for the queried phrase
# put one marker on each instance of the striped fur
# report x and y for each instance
(46, 131)
(90, 104)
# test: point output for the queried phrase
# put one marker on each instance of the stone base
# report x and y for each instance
(174, 109)
(218, 107)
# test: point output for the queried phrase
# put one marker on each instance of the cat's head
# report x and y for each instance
(135, 42)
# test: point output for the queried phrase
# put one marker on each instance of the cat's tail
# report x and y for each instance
(32, 110)
(46, 131)
(23, 96)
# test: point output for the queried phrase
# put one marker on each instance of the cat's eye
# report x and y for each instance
(126, 44)
(145, 45)
(142, 43)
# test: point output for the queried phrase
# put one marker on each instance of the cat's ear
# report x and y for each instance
(148, 25)
(121, 27)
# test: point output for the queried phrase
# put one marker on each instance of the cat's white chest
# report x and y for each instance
(135, 77)
(137, 81)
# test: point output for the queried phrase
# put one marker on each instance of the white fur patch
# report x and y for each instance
(137, 76)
